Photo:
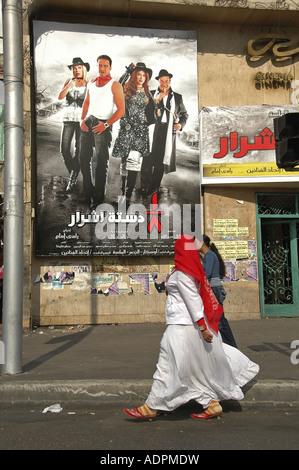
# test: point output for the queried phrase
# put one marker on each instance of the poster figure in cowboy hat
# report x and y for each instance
(73, 91)
(132, 142)
(171, 117)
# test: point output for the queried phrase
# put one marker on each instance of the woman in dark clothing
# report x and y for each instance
(214, 268)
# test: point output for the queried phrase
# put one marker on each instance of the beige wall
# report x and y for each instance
(226, 75)
(242, 301)
(75, 304)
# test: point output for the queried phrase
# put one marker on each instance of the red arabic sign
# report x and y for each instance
(238, 142)
(264, 141)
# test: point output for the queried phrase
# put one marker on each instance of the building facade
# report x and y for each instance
(247, 58)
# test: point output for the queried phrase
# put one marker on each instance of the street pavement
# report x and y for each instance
(90, 366)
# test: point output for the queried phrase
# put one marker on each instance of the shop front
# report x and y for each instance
(278, 231)
(224, 67)
(251, 209)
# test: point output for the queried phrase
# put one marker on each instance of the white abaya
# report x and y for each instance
(188, 367)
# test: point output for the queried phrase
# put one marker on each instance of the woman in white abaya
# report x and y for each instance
(194, 363)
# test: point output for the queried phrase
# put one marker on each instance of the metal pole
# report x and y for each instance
(13, 186)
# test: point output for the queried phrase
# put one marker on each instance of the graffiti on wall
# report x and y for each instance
(80, 278)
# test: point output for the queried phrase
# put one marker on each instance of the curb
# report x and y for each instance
(276, 394)
(79, 393)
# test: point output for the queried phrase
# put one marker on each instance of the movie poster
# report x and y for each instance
(128, 187)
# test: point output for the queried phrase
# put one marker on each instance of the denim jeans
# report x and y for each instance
(70, 130)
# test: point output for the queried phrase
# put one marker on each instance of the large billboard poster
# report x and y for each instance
(117, 133)
(237, 144)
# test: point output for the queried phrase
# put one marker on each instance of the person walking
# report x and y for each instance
(194, 363)
(214, 268)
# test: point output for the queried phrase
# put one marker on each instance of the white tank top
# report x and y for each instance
(101, 100)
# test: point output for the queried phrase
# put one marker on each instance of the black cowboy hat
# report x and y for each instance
(142, 66)
(164, 73)
(79, 61)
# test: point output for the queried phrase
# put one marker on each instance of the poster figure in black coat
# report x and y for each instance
(171, 117)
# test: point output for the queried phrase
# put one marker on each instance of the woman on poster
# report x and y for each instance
(194, 363)
(73, 91)
(132, 142)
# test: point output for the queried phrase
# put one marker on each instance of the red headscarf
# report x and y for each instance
(187, 259)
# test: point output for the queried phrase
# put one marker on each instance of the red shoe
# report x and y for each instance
(141, 412)
(212, 411)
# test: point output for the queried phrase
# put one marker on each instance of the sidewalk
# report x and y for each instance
(94, 365)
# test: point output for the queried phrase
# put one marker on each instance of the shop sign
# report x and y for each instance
(274, 80)
(238, 144)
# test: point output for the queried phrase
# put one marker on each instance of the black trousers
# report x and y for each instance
(224, 328)
(101, 144)
(152, 169)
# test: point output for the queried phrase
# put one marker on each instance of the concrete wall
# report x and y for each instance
(242, 299)
(227, 76)
(88, 299)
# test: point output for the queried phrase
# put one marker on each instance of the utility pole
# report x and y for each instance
(13, 186)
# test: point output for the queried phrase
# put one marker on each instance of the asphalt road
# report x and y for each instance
(109, 430)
